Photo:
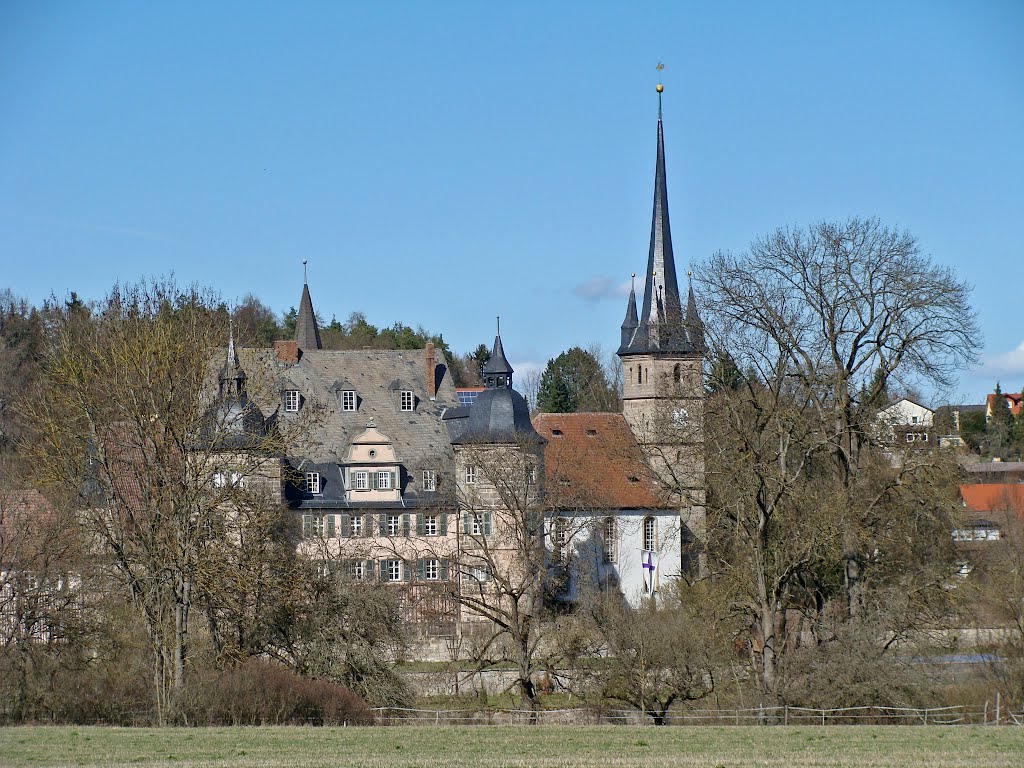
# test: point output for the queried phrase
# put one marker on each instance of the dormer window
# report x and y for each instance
(429, 480)
(383, 481)
(408, 400)
(291, 400)
(348, 400)
(313, 482)
(361, 480)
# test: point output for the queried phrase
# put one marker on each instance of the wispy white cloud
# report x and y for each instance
(601, 287)
(1007, 362)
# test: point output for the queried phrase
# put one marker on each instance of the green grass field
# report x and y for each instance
(516, 746)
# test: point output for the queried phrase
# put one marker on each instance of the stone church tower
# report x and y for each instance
(662, 352)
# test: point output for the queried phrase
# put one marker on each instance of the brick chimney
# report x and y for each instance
(431, 370)
(286, 352)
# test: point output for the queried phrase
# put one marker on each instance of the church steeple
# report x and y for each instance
(306, 332)
(497, 372)
(661, 325)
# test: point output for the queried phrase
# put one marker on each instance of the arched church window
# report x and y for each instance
(639, 375)
(676, 374)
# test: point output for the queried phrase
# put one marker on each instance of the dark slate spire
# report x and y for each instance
(306, 333)
(694, 326)
(497, 372)
(629, 325)
(231, 373)
(660, 328)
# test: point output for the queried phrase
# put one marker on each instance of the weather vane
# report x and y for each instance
(304, 277)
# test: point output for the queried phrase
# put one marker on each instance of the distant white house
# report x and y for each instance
(906, 413)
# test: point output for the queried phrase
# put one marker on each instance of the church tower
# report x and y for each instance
(662, 351)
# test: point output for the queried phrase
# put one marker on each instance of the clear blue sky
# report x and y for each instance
(441, 163)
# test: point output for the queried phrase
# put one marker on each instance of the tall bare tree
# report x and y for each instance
(821, 320)
(130, 419)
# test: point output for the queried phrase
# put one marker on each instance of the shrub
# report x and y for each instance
(261, 693)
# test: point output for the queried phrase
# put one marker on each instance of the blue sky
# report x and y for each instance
(442, 163)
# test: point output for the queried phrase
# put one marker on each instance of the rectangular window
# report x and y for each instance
(361, 480)
(476, 524)
(429, 480)
(220, 479)
(431, 570)
(357, 570)
(470, 475)
(348, 400)
(312, 482)
(608, 535)
(394, 525)
(384, 480)
(650, 534)
(392, 570)
(407, 400)
(318, 525)
(559, 537)
(356, 525)
(430, 525)
(479, 573)
(291, 400)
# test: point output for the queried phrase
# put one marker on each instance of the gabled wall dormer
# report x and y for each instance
(372, 469)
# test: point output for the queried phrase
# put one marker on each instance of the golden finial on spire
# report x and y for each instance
(659, 87)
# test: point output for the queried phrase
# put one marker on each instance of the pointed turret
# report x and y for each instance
(232, 377)
(497, 372)
(694, 326)
(631, 322)
(307, 335)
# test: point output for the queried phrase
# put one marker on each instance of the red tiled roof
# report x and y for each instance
(1013, 399)
(994, 497)
(592, 461)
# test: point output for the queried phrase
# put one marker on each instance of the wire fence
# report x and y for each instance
(985, 714)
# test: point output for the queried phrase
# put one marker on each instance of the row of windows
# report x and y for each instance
(349, 400)
(471, 473)
(364, 480)
(392, 524)
(977, 534)
(385, 524)
(917, 437)
(609, 537)
(395, 570)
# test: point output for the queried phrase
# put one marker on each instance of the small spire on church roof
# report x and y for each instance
(497, 365)
(307, 334)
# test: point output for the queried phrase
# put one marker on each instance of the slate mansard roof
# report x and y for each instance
(377, 377)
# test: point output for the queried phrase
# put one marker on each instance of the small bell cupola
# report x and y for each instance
(497, 372)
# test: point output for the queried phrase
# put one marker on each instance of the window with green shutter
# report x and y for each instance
(330, 526)
(307, 526)
(346, 526)
(421, 570)
(487, 523)
(420, 523)
(382, 522)
(444, 570)
(442, 524)
(406, 524)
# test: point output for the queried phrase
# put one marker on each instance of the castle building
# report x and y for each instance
(397, 479)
